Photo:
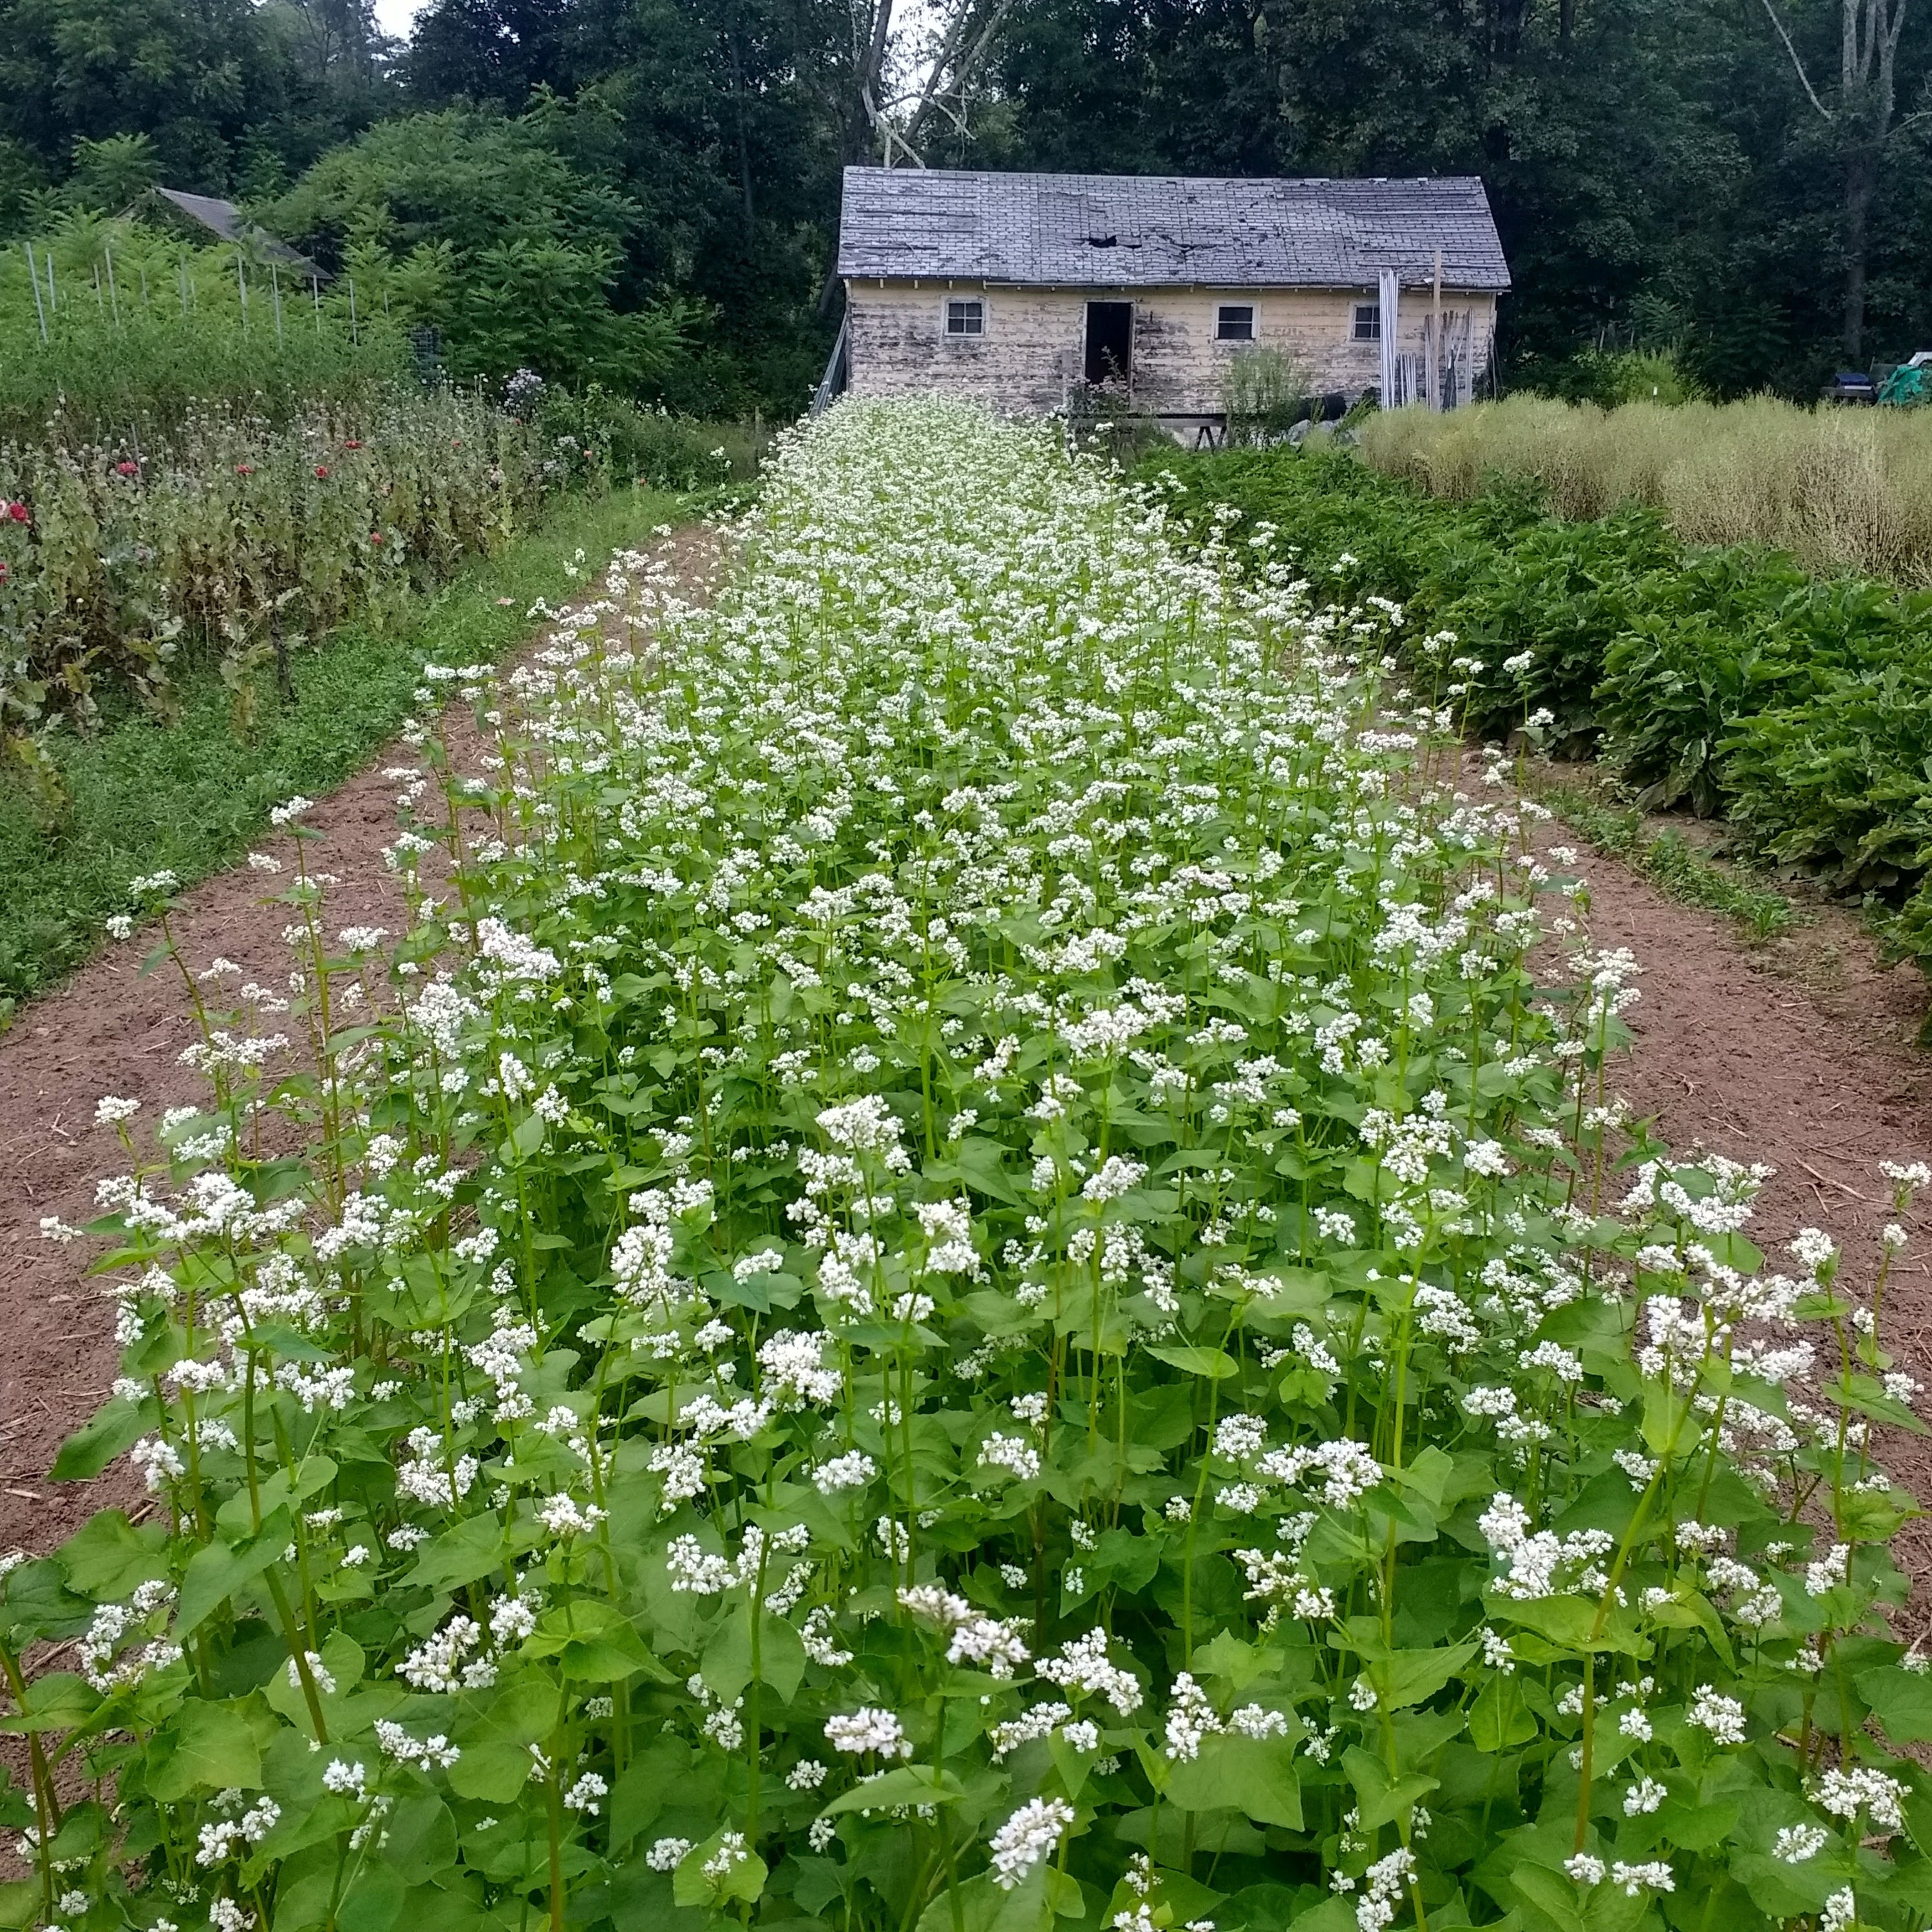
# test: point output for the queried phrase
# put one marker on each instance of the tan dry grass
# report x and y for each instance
(1841, 490)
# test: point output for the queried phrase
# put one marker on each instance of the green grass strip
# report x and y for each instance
(188, 797)
(1670, 863)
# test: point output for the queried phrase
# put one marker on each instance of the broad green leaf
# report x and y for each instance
(218, 1569)
(909, 1784)
(741, 1876)
(1044, 1895)
(58, 1700)
(113, 1429)
(1413, 1676)
(1384, 1797)
(645, 1785)
(1902, 1700)
(107, 1556)
(464, 1553)
(207, 1746)
(373, 1902)
(593, 1642)
(1256, 1776)
(1216, 1365)
(1498, 1719)
(1571, 1623)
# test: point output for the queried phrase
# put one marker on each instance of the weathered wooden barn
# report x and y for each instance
(1024, 288)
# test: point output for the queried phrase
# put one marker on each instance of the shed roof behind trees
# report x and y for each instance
(225, 221)
(1162, 230)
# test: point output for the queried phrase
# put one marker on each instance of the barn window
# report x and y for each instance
(1234, 322)
(966, 317)
(1368, 321)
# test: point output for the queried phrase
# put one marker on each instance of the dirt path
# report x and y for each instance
(1751, 1052)
(109, 1029)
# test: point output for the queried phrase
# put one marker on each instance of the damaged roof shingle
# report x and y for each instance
(1148, 230)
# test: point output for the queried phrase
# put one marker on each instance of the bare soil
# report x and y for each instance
(112, 1029)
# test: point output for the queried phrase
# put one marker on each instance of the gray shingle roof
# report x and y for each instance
(224, 219)
(1149, 230)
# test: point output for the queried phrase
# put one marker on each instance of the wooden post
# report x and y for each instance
(242, 283)
(1435, 341)
(33, 276)
(181, 263)
(275, 287)
(99, 301)
(315, 290)
(1389, 321)
(113, 294)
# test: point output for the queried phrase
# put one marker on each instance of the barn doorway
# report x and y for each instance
(1110, 343)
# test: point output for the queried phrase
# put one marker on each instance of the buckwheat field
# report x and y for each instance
(975, 1269)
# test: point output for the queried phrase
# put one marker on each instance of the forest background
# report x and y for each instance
(1748, 182)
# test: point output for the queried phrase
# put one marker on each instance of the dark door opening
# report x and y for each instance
(1110, 342)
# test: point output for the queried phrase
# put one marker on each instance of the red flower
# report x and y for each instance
(321, 472)
(376, 537)
(127, 469)
(3, 570)
(352, 444)
(244, 470)
(18, 512)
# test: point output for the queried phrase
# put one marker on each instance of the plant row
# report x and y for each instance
(959, 1278)
(239, 540)
(1724, 679)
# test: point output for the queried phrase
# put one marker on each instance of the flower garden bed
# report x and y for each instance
(961, 1279)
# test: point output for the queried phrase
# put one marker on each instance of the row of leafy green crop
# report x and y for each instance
(1723, 678)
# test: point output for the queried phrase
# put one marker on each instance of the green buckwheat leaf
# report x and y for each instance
(111, 1431)
(107, 1557)
(1255, 1775)
(207, 1746)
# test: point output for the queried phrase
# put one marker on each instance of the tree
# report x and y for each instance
(501, 50)
(1861, 117)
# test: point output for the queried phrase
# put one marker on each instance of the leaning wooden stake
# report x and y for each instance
(34, 277)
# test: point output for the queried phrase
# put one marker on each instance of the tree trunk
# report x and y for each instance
(1861, 183)
(744, 150)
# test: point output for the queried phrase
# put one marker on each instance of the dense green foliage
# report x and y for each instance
(961, 1279)
(120, 334)
(186, 795)
(1723, 678)
(1661, 176)
(508, 236)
